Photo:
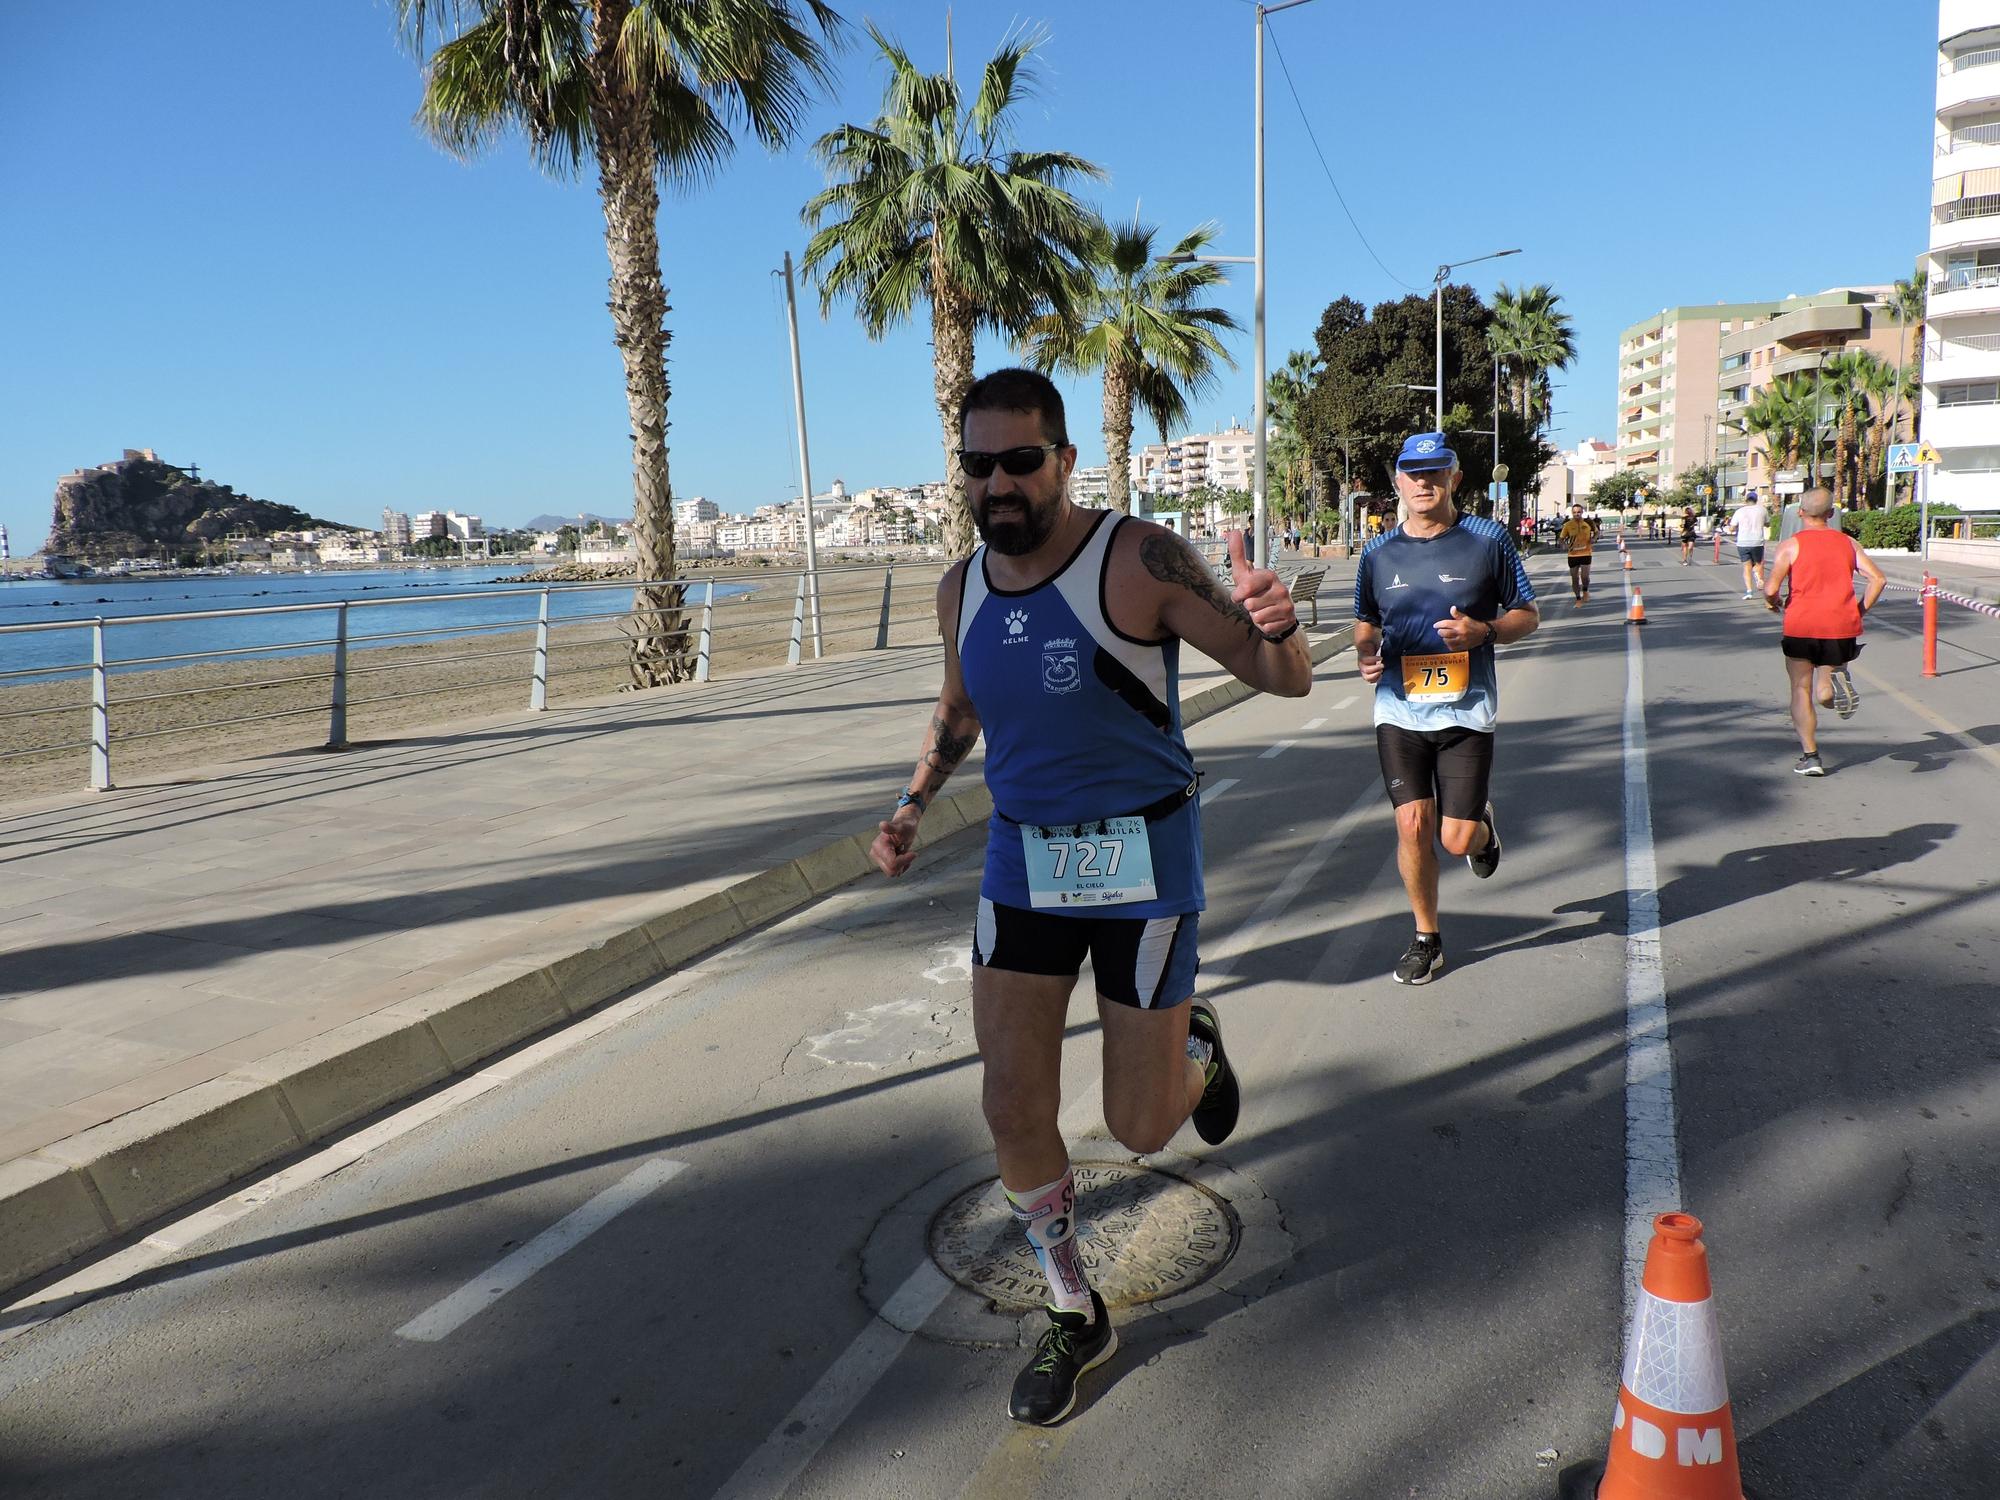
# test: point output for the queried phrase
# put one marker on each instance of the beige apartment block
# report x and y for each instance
(1686, 376)
(1221, 460)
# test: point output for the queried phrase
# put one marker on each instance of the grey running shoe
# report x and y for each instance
(1215, 1116)
(1046, 1390)
(1487, 860)
(1808, 765)
(1422, 960)
(1846, 698)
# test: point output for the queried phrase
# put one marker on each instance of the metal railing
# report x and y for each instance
(1965, 281)
(1982, 58)
(1968, 136)
(810, 624)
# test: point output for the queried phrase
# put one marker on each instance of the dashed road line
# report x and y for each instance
(1277, 750)
(1217, 787)
(1312, 724)
(445, 1317)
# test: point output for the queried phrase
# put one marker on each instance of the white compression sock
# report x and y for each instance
(1048, 1215)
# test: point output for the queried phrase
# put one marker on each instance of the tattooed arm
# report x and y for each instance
(954, 731)
(1171, 590)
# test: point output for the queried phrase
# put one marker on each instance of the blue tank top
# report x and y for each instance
(1081, 722)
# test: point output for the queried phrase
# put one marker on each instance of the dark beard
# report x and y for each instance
(1018, 538)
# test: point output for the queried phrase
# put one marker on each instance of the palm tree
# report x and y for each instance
(933, 202)
(652, 93)
(1140, 324)
(1907, 304)
(1844, 381)
(1532, 335)
(1781, 413)
(1288, 396)
(1881, 389)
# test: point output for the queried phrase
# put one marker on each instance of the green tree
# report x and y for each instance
(1687, 490)
(1619, 492)
(1141, 324)
(1782, 415)
(1288, 394)
(1844, 383)
(651, 92)
(932, 202)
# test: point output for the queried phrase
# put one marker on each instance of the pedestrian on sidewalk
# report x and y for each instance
(1062, 638)
(1431, 600)
(1822, 618)
(1752, 523)
(1579, 535)
(1687, 536)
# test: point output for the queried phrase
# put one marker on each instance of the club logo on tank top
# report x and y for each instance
(1017, 627)
(1062, 671)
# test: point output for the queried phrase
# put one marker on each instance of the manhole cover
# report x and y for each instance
(1143, 1234)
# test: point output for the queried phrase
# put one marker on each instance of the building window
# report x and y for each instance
(1972, 460)
(1735, 362)
(1970, 393)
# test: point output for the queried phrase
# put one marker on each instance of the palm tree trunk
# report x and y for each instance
(951, 377)
(1118, 432)
(625, 172)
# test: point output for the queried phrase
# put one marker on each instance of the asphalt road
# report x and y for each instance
(648, 1260)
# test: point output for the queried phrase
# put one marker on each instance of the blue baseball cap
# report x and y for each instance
(1426, 450)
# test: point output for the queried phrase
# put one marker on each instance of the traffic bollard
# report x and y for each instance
(1718, 544)
(1930, 626)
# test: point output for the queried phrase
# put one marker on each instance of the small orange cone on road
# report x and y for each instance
(1636, 614)
(1628, 562)
(1671, 1435)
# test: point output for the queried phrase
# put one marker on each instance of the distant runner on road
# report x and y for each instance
(1687, 536)
(1822, 619)
(1431, 599)
(1579, 535)
(1752, 523)
(1062, 642)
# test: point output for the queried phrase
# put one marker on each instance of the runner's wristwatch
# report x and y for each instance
(911, 799)
(1284, 635)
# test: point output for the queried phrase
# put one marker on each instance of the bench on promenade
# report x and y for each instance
(1305, 590)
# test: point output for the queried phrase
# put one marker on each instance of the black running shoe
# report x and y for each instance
(1422, 961)
(1487, 860)
(1215, 1116)
(1046, 1390)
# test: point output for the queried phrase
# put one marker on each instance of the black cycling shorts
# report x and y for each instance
(1142, 961)
(1579, 560)
(1821, 650)
(1453, 767)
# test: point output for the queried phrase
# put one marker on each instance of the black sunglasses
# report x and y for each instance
(1016, 461)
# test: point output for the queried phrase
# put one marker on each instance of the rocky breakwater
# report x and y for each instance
(141, 506)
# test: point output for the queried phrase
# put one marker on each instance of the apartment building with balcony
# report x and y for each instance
(1797, 338)
(1961, 399)
(1220, 460)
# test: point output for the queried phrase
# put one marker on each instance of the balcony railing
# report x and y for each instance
(1965, 281)
(1976, 343)
(1969, 136)
(1984, 57)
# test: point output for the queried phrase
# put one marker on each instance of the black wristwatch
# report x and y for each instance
(1284, 635)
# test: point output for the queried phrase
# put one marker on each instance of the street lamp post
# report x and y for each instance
(1437, 293)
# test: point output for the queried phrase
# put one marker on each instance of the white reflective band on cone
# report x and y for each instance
(1673, 1361)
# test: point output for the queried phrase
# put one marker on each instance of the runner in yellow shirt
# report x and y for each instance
(1579, 536)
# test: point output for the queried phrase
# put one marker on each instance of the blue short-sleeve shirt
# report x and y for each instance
(1406, 584)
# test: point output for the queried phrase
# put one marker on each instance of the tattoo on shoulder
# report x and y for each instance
(1171, 560)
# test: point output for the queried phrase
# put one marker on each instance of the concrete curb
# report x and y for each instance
(81, 1192)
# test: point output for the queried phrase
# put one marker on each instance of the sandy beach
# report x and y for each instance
(155, 736)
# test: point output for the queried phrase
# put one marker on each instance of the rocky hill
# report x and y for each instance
(139, 506)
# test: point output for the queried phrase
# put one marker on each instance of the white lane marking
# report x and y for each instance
(1277, 750)
(1344, 703)
(1317, 723)
(170, 1239)
(769, 1471)
(1216, 788)
(1652, 1129)
(447, 1316)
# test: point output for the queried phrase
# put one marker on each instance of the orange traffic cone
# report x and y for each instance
(1636, 614)
(1628, 562)
(1671, 1436)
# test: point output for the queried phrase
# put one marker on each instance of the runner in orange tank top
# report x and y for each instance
(1822, 618)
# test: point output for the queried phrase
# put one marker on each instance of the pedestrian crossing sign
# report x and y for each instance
(1905, 457)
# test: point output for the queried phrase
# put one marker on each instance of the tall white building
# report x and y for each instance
(689, 512)
(1961, 404)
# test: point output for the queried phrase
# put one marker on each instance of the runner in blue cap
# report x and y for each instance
(1431, 600)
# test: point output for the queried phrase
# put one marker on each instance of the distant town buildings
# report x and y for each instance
(395, 529)
(1091, 486)
(1215, 460)
(1961, 355)
(1572, 476)
(696, 510)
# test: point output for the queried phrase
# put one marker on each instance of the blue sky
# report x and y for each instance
(224, 238)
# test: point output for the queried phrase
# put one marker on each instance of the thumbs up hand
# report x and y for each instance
(1267, 601)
